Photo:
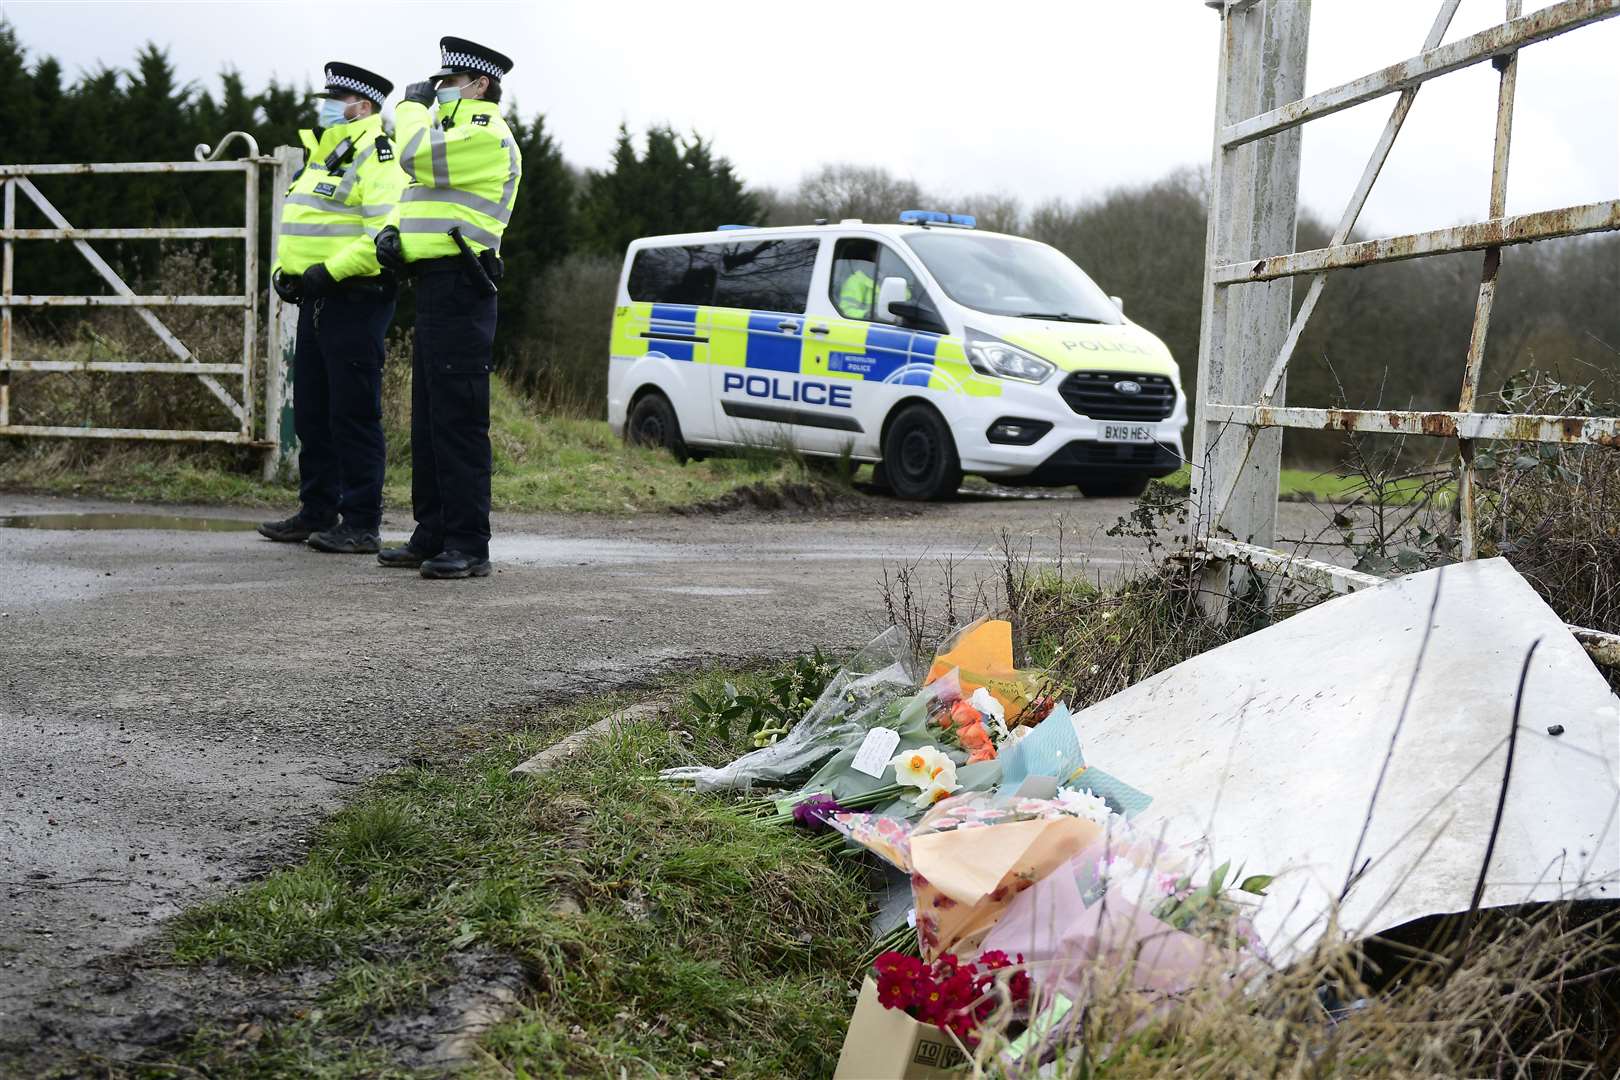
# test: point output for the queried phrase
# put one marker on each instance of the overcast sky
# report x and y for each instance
(1038, 99)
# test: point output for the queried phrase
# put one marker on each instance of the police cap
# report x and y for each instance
(460, 56)
(344, 78)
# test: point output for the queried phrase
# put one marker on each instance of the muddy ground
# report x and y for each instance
(177, 708)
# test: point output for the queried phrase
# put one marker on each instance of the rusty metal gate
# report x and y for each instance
(1248, 334)
(232, 381)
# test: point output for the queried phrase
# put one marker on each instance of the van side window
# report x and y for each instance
(854, 278)
(763, 275)
(766, 275)
(859, 267)
(675, 275)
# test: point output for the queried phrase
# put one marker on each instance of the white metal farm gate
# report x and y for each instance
(231, 382)
(1248, 331)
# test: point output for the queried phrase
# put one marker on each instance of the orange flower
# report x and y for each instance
(973, 735)
(963, 714)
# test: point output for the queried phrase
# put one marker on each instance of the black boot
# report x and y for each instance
(455, 564)
(293, 530)
(403, 557)
(346, 539)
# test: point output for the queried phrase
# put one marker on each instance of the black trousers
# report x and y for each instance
(450, 452)
(337, 406)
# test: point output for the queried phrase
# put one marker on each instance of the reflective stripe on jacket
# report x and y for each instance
(332, 216)
(464, 169)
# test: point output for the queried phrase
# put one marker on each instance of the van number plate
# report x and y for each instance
(1132, 433)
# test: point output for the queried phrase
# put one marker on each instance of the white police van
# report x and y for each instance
(927, 347)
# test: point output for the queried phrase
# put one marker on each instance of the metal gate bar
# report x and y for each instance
(1261, 41)
(15, 177)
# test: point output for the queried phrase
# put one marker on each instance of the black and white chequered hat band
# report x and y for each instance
(342, 78)
(469, 57)
(471, 62)
(343, 82)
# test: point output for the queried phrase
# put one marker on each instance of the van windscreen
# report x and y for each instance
(1003, 276)
(759, 275)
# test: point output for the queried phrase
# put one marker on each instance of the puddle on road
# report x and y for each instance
(111, 521)
(712, 590)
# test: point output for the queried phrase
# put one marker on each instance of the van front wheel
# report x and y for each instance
(652, 422)
(919, 456)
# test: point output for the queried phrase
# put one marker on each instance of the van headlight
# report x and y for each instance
(992, 356)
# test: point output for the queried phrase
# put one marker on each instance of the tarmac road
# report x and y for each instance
(176, 708)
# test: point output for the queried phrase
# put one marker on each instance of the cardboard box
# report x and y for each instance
(887, 1044)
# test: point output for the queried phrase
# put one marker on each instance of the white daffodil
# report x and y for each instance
(938, 790)
(917, 768)
(995, 717)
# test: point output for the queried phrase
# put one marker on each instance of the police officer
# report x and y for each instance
(446, 232)
(326, 263)
(855, 298)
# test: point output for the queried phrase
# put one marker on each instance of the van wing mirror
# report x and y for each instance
(892, 290)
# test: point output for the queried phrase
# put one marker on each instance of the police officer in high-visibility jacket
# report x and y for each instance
(326, 263)
(446, 232)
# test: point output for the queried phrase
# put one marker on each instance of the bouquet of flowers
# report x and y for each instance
(947, 993)
(972, 854)
(1129, 909)
(980, 701)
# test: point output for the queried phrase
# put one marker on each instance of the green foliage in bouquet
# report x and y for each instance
(766, 714)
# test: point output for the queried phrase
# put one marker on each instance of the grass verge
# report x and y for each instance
(542, 463)
(1319, 485)
(657, 931)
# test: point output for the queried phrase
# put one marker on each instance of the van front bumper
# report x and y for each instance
(1086, 457)
(1071, 448)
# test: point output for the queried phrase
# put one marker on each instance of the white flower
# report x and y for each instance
(918, 767)
(941, 782)
(995, 717)
(1019, 734)
(1138, 885)
(1085, 804)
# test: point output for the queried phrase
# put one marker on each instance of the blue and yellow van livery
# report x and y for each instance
(926, 348)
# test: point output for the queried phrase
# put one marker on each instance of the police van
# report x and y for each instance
(927, 348)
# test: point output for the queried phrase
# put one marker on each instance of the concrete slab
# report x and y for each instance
(1273, 746)
(569, 744)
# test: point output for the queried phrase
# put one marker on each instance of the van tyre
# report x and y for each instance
(1105, 485)
(919, 456)
(653, 422)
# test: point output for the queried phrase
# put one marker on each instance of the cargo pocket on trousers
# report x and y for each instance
(468, 348)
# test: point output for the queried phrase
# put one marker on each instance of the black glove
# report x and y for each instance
(290, 287)
(422, 93)
(318, 282)
(390, 250)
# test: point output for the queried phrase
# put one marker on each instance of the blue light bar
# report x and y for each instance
(936, 217)
(723, 228)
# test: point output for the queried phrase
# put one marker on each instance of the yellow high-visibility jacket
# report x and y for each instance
(464, 169)
(339, 201)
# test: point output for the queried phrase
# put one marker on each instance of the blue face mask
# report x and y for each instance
(333, 113)
(447, 94)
